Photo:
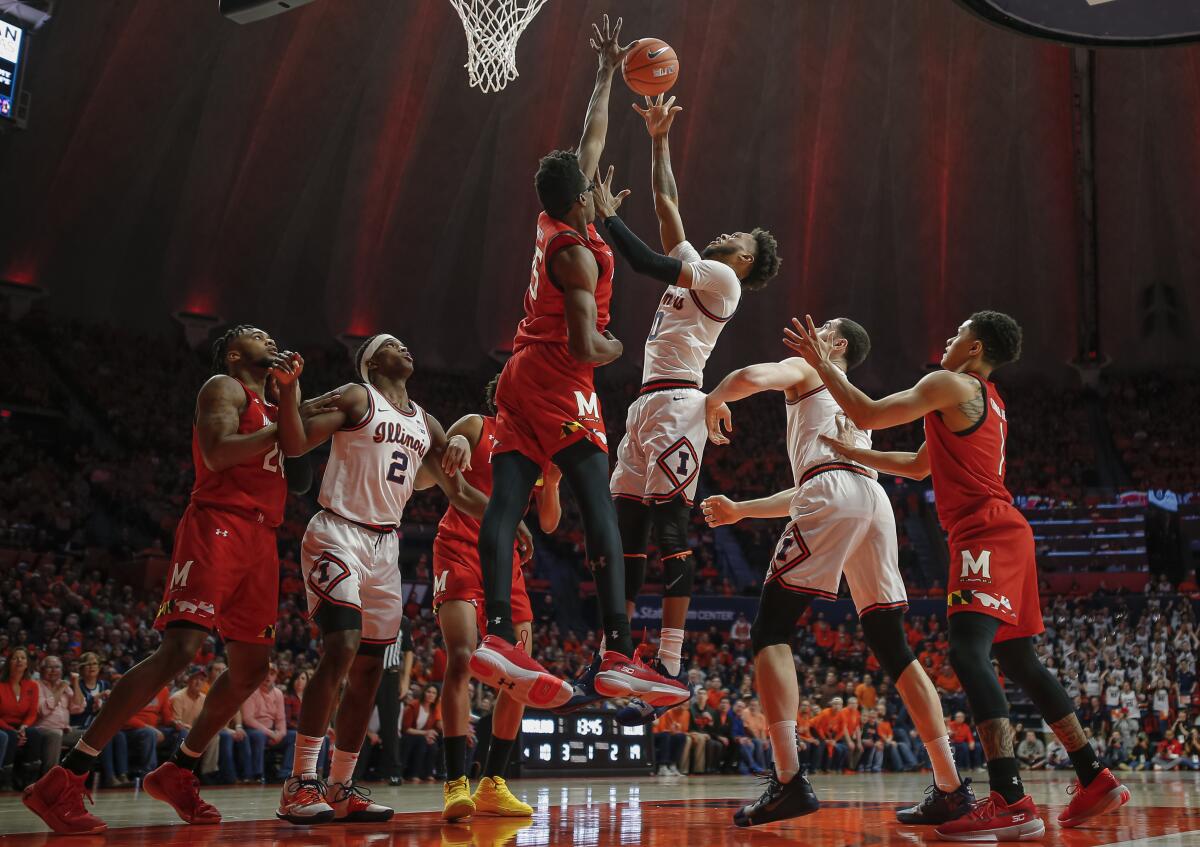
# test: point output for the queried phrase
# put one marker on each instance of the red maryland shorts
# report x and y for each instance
(993, 570)
(546, 401)
(457, 575)
(224, 575)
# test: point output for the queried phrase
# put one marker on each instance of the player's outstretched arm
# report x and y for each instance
(464, 497)
(300, 432)
(576, 271)
(548, 502)
(461, 440)
(658, 117)
(595, 124)
(901, 463)
(744, 382)
(719, 510)
(218, 412)
(938, 390)
(643, 260)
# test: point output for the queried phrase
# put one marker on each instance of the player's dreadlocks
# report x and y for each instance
(220, 348)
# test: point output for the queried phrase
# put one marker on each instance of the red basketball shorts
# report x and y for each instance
(224, 575)
(546, 401)
(457, 575)
(993, 570)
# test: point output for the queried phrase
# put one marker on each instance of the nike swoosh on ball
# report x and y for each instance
(654, 54)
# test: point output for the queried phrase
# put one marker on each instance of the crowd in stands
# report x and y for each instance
(97, 467)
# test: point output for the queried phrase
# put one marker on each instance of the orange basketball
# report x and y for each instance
(651, 68)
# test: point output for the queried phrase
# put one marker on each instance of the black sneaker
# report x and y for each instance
(939, 806)
(779, 801)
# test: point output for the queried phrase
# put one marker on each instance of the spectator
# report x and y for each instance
(1056, 755)
(750, 749)
(740, 631)
(153, 725)
(266, 727)
(671, 740)
(872, 743)
(967, 754)
(699, 719)
(18, 713)
(853, 735)
(422, 729)
(865, 692)
(830, 727)
(899, 756)
(1169, 755)
(57, 699)
(1031, 752)
(186, 704)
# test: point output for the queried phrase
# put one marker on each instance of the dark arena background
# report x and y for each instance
(330, 171)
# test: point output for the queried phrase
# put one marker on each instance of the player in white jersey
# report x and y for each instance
(382, 441)
(841, 522)
(658, 462)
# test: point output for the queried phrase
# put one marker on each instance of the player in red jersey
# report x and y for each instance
(458, 603)
(992, 598)
(224, 577)
(547, 410)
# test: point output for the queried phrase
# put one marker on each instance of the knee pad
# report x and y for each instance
(778, 611)
(670, 530)
(884, 634)
(633, 522)
(765, 632)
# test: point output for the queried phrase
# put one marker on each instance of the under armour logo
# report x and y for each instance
(224, 533)
(496, 620)
(505, 682)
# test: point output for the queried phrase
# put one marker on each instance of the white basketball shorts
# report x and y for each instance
(659, 457)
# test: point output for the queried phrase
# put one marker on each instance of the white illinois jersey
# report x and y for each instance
(841, 519)
(373, 464)
(689, 320)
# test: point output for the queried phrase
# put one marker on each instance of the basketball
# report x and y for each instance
(651, 68)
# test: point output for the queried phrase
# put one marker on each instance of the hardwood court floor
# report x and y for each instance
(663, 812)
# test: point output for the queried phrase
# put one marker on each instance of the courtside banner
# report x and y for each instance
(1097, 23)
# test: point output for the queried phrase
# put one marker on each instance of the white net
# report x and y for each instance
(493, 28)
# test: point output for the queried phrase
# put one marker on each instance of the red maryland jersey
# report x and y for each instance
(545, 319)
(968, 467)
(454, 523)
(256, 485)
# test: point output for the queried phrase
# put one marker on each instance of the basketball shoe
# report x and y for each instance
(992, 819)
(508, 668)
(1105, 794)
(57, 798)
(779, 801)
(939, 806)
(303, 801)
(456, 799)
(352, 804)
(180, 789)
(492, 797)
(621, 676)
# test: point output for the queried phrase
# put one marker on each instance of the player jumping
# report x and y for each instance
(841, 521)
(547, 410)
(658, 461)
(224, 577)
(458, 603)
(992, 595)
(350, 557)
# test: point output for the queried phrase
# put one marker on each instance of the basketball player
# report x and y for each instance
(993, 604)
(350, 558)
(841, 521)
(658, 461)
(458, 603)
(225, 577)
(547, 410)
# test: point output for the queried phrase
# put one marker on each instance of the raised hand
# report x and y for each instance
(286, 368)
(807, 343)
(658, 115)
(606, 44)
(606, 203)
(719, 420)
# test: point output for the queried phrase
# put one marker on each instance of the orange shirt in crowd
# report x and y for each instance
(158, 712)
(947, 680)
(960, 733)
(885, 730)
(16, 712)
(678, 719)
(829, 725)
(756, 725)
(713, 698)
(853, 720)
(866, 695)
(804, 728)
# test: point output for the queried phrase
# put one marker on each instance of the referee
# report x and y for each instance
(397, 667)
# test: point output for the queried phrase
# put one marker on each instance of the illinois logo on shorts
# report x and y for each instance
(327, 571)
(789, 552)
(680, 464)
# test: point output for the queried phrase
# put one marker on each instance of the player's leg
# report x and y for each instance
(493, 796)
(670, 521)
(513, 478)
(788, 794)
(457, 620)
(633, 522)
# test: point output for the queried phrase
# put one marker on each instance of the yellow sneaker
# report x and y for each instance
(457, 796)
(492, 797)
(497, 832)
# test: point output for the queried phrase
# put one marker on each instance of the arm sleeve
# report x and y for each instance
(641, 258)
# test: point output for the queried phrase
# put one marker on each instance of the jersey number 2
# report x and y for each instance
(398, 467)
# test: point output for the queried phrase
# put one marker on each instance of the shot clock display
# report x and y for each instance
(590, 741)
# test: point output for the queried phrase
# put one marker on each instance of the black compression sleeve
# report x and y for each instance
(643, 260)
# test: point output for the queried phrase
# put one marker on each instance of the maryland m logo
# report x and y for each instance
(179, 574)
(439, 582)
(973, 568)
(589, 407)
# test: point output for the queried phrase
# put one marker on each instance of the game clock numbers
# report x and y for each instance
(588, 741)
(11, 37)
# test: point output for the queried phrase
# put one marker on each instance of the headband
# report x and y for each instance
(373, 348)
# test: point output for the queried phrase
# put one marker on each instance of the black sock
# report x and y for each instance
(1087, 764)
(497, 757)
(1005, 778)
(616, 634)
(78, 762)
(499, 620)
(183, 760)
(456, 757)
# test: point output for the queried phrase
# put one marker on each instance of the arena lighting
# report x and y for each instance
(196, 325)
(31, 14)
(249, 11)
(1096, 23)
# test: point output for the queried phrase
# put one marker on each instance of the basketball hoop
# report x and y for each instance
(493, 28)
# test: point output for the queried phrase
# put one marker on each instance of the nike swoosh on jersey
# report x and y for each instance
(654, 54)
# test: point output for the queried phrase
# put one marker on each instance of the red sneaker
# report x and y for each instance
(511, 670)
(1105, 794)
(180, 789)
(992, 819)
(57, 798)
(621, 676)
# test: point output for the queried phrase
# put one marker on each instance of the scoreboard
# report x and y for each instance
(589, 741)
(12, 39)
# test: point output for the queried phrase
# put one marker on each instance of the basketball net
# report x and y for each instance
(493, 28)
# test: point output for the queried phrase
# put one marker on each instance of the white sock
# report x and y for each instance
(85, 749)
(783, 744)
(342, 768)
(670, 649)
(945, 774)
(308, 750)
(188, 751)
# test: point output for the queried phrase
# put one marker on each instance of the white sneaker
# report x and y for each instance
(303, 801)
(673, 771)
(352, 804)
